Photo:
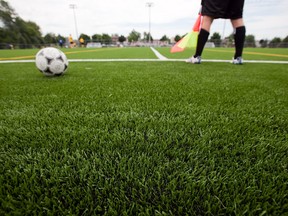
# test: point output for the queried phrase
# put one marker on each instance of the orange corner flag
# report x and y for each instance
(197, 24)
(190, 39)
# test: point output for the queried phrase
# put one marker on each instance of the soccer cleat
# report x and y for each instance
(237, 61)
(194, 60)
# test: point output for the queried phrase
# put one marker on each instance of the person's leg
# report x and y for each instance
(237, 22)
(239, 36)
(203, 35)
(202, 39)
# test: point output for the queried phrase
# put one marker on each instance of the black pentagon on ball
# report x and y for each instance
(60, 58)
(49, 60)
(48, 71)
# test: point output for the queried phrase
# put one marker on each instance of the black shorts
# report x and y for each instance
(227, 9)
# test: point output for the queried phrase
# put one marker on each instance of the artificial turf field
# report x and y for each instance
(144, 138)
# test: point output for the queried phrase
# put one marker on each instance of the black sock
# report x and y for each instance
(239, 38)
(202, 39)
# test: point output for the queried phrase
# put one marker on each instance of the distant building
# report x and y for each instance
(115, 39)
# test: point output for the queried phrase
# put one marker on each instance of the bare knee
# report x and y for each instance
(206, 23)
(237, 22)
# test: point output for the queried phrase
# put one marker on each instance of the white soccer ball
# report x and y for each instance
(51, 61)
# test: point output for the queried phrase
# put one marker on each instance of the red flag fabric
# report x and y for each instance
(197, 24)
(190, 39)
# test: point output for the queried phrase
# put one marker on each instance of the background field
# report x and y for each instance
(146, 53)
(144, 138)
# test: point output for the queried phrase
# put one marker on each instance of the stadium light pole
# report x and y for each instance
(149, 5)
(223, 32)
(73, 7)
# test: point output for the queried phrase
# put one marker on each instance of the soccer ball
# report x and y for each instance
(51, 61)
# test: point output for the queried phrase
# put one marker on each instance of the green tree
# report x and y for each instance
(34, 33)
(27, 33)
(121, 39)
(285, 40)
(50, 38)
(263, 43)
(275, 42)
(97, 38)
(284, 43)
(7, 14)
(7, 20)
(164, 38)
(134, 36)
(250, 41)
(106, 39)
(13, 29)
(177, 38)
(216, 39)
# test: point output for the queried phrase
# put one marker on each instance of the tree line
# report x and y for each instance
(250, 41)
(13, 29)
(27, 34)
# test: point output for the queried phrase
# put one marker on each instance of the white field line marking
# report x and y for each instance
(16, 61)
(147, 60)
(159, 56)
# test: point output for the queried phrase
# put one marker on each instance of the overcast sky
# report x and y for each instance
(264, 18)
